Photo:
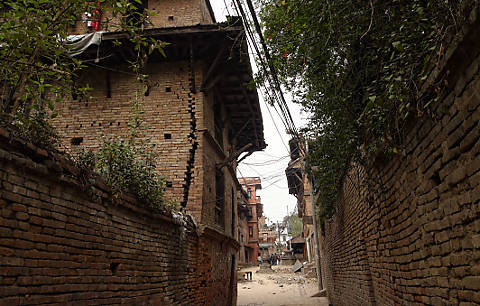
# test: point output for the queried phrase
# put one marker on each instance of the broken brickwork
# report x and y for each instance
(200, 115)
(413, 237)
(166, 117)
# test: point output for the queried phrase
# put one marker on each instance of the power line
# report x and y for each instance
(274, 95)
(268, 68)
(267, 162)
(273, 120)
(283, 104)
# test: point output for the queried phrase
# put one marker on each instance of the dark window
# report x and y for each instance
(250, 231)
(76, 141)
(249, 191)
(219, 197)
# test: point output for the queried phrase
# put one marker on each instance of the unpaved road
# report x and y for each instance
(282, 288)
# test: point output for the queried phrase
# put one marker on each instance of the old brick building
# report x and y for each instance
(251, 185)
(299, 186)
(198, 112)
(243, 214)
(267, 235)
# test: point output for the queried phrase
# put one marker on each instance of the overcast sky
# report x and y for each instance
(269, 164)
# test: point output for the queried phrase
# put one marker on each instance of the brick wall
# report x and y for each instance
(165, 13)
(165, 123)
(243, 238)
(413, 235)
(62, 242)
(179, 13)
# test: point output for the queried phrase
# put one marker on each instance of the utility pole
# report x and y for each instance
(315, 234)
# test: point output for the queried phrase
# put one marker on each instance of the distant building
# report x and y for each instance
(299, 186)
(255, 210)
(266, 238)
(298, 246)
(283, 236)
(244, 252)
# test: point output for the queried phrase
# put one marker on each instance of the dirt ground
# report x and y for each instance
(282, 287)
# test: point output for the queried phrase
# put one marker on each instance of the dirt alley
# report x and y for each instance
(282, 287)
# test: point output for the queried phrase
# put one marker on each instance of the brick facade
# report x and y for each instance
(166, 110)
(299, 186)
(267, 236)
(242, 228)
(414, 237)
(63, 242)
(198, 122)
(165, 13)
(250, 186)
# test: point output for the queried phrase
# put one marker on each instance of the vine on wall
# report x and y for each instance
(357, 67)
(37, 70)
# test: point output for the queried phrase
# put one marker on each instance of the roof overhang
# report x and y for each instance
(294, 179)
(223, 47)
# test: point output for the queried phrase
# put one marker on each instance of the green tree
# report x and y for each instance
(294, 223)
(36, 66)
(357, 67)
(37, 70)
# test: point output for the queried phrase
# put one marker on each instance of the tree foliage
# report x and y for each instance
(294, 223)
(37, 70)
(357, 67)
(36, 66)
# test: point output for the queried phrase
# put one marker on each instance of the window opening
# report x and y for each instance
(76, 141)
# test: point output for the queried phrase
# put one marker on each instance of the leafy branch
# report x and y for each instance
(356, 67)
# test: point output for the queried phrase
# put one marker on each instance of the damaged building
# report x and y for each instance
(299, 186)
(198, 112)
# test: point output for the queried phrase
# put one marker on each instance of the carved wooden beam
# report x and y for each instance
(234, 156)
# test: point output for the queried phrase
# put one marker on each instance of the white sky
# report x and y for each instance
(269, 164)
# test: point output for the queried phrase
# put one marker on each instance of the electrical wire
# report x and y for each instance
(266, 64)
(267, 162)
(272, 96)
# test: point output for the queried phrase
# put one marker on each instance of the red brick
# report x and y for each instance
(22, 216)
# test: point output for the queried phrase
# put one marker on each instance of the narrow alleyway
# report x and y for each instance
(282, 287)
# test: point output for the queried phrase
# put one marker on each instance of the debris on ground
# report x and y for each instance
(280, 288)
(297, 266)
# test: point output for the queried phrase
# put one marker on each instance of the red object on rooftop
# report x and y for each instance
(97, 16)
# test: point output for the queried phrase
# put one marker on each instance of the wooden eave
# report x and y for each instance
(294, 175)
(223, 44)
